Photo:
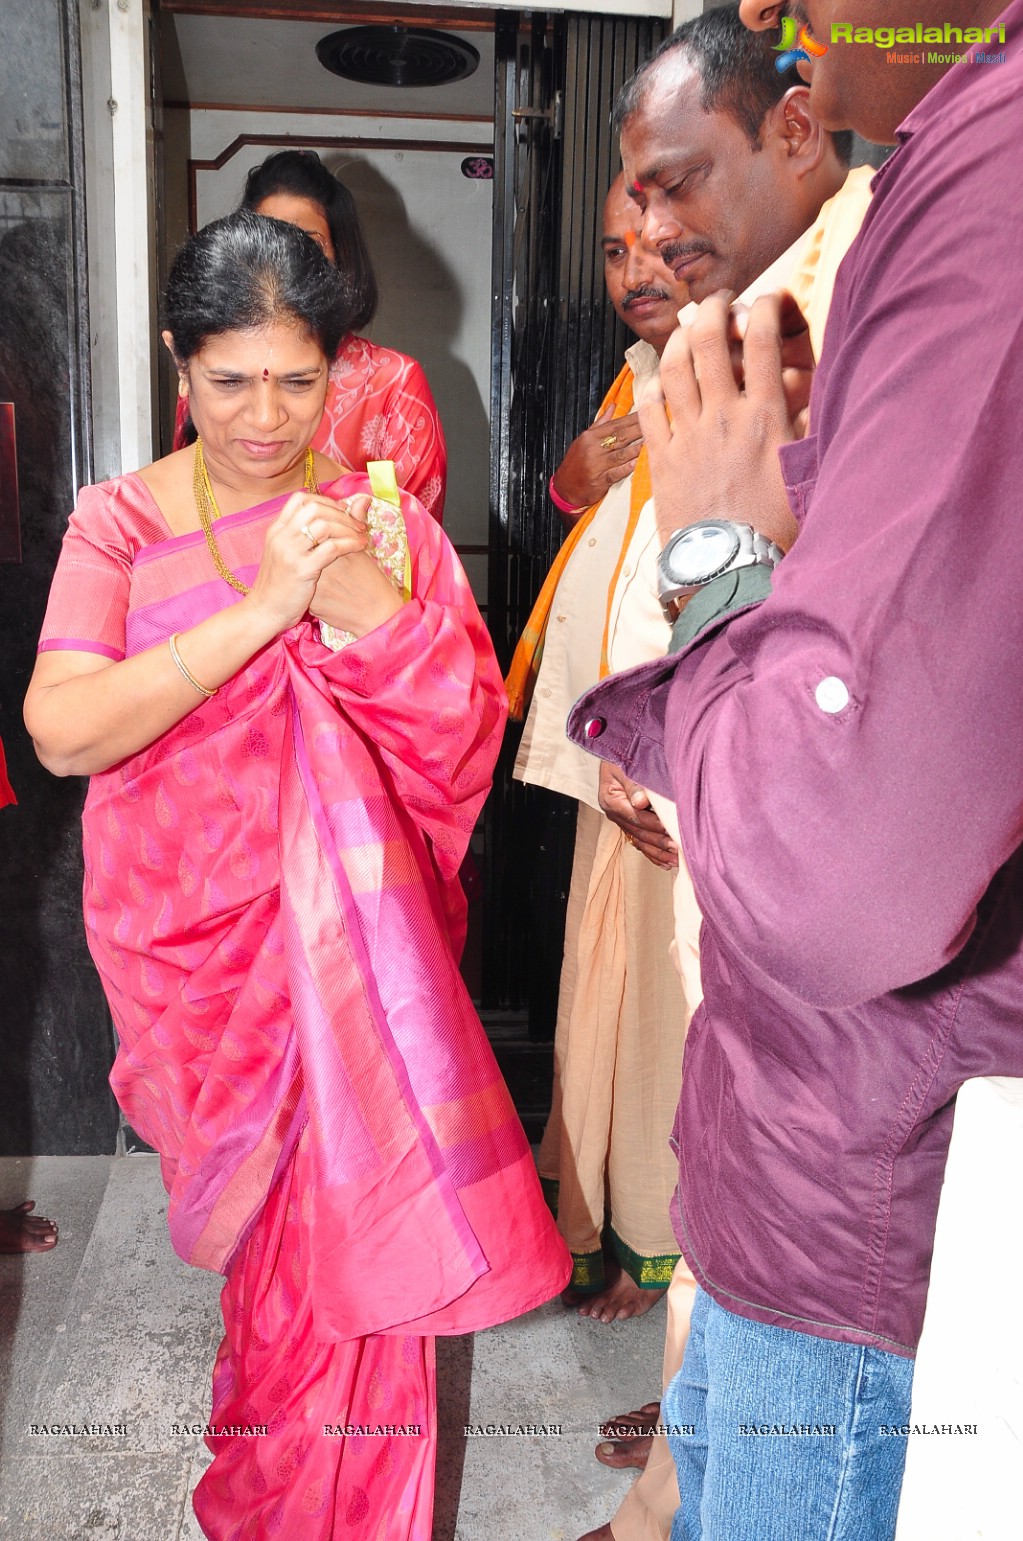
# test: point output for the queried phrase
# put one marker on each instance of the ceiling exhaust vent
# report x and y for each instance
(397, 56)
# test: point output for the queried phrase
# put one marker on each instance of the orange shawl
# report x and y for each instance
(525, 665)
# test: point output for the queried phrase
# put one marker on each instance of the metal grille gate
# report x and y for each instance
(556, 347)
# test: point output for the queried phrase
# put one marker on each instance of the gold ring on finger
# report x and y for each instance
(609, 441)
(310, 537)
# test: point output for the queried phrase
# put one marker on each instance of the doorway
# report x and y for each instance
(494, 283)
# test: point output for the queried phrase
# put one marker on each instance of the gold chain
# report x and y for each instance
(206, 504)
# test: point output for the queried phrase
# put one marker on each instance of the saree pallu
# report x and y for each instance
(271, 901)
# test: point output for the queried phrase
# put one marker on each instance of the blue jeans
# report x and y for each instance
(741, 1476)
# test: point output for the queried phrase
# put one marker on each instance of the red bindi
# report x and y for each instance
(637, 187)
(266, 374)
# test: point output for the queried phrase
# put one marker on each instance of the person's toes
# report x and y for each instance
(604, 1308)
(627, 1438)
(594, 1306)
(631, 1302)
(639, 1421)
(623, 1453)
(21, 1231)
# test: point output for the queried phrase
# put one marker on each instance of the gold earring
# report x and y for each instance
(182, 386)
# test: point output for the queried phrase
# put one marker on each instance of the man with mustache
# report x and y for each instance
(610, 1042)
(838, 724)
(743, 170)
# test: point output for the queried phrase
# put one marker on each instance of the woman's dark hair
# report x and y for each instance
(301, 174)
(245, 272)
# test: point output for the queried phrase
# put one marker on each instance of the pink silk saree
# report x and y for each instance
(271, 901)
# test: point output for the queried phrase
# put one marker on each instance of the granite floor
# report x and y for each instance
(111, 1328)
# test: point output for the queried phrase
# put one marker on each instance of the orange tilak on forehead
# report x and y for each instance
(631, 237)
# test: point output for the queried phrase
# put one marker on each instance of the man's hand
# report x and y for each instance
(628, 806)
(716, 457)
(797, 360)
(592, 465)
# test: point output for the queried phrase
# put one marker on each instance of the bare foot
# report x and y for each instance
(627, 1439)
(605, 1533)
(621, 1300)
(22, 1231)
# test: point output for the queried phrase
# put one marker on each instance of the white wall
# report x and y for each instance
(119, 230)
(968, 1486)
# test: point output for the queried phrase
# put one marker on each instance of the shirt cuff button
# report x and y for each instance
(832, 695)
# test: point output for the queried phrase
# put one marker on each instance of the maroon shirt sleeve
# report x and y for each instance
(847, 757)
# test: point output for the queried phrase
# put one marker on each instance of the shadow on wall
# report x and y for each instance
(422, 305)
(56, 1045)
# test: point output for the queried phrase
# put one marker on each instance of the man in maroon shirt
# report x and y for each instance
(841, 729)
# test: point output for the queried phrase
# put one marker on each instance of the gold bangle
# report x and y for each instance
(185, 672)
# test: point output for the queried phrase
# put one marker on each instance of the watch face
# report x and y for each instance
(702, 551)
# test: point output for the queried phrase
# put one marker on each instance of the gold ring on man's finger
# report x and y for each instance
(609, 441)
(310, 537)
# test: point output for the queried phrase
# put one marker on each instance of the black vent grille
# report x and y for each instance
(397, 56)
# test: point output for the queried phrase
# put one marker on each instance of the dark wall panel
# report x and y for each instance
(557, 345)
(56, 1043)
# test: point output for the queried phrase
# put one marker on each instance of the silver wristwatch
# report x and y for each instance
(704, 551)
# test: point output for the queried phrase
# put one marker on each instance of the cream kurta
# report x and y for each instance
(618, 1048)
(571, 652)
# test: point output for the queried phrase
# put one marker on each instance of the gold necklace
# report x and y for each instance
(206, 504)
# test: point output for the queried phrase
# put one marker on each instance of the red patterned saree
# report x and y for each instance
(271, 901)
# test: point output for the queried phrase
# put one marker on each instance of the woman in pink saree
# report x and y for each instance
(290, 710)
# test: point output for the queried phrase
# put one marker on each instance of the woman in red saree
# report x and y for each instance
(290, 709)
(379, 405)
